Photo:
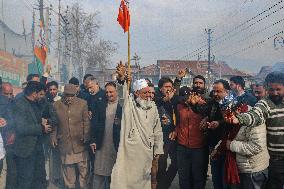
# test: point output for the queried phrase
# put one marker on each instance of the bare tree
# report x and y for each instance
(86, 47)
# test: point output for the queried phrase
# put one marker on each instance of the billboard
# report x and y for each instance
(12, 69)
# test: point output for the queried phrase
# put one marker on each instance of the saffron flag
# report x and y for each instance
(123, 17)
(40, 50)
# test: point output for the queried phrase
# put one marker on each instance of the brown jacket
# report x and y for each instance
(73, 130)
(188, 131)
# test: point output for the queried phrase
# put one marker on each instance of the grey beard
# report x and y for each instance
(145, 104)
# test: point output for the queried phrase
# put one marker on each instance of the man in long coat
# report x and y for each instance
(71, 135)
(141, 136)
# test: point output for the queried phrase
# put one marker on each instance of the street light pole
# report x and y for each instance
(209, 32)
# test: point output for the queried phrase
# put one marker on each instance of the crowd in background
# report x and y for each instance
(105, 137)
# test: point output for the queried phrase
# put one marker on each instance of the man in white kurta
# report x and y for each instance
(141, 139)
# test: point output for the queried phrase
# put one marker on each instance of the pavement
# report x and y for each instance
(209, 185)
(51, 186)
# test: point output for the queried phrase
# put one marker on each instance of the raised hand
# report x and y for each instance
(192, 99)
(196, 99)
(121, 71)
(169, 95)
(48, 69)
(181, 73)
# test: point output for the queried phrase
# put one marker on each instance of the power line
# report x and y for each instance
(254, 17)
(249, 26)
(254, 45)
(197, 51)
(232, 14)
(258, 31)
(259, 20)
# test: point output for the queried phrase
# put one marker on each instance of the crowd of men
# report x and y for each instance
(122, 136)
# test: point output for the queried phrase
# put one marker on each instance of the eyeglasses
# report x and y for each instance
(146, 92)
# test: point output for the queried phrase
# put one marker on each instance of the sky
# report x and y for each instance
(173, 29)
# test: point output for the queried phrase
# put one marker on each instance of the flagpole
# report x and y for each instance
(129, 67)
(124, 20)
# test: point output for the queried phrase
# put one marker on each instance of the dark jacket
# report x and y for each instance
(27, 126)
(246, 98)
(47, 111)
(83, 88)
(84, 93)
(214, 114)
(169, 110)
(98, 124)
(100, 96)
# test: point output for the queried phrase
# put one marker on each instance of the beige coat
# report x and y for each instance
(251, 149)
(73, 129)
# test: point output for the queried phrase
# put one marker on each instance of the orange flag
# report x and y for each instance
(123, 17)
(40, 54)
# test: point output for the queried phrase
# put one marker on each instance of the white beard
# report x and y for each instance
(145, 104)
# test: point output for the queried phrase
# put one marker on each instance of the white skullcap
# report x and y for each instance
(139, 84)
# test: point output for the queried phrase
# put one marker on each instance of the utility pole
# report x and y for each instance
(78, 52)
(65, 64)
(41, 12)
(5, 47)
(33, 35)
(2, 10)
(209, 32)
(24, 31)
(46, 29)
(58, 40)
